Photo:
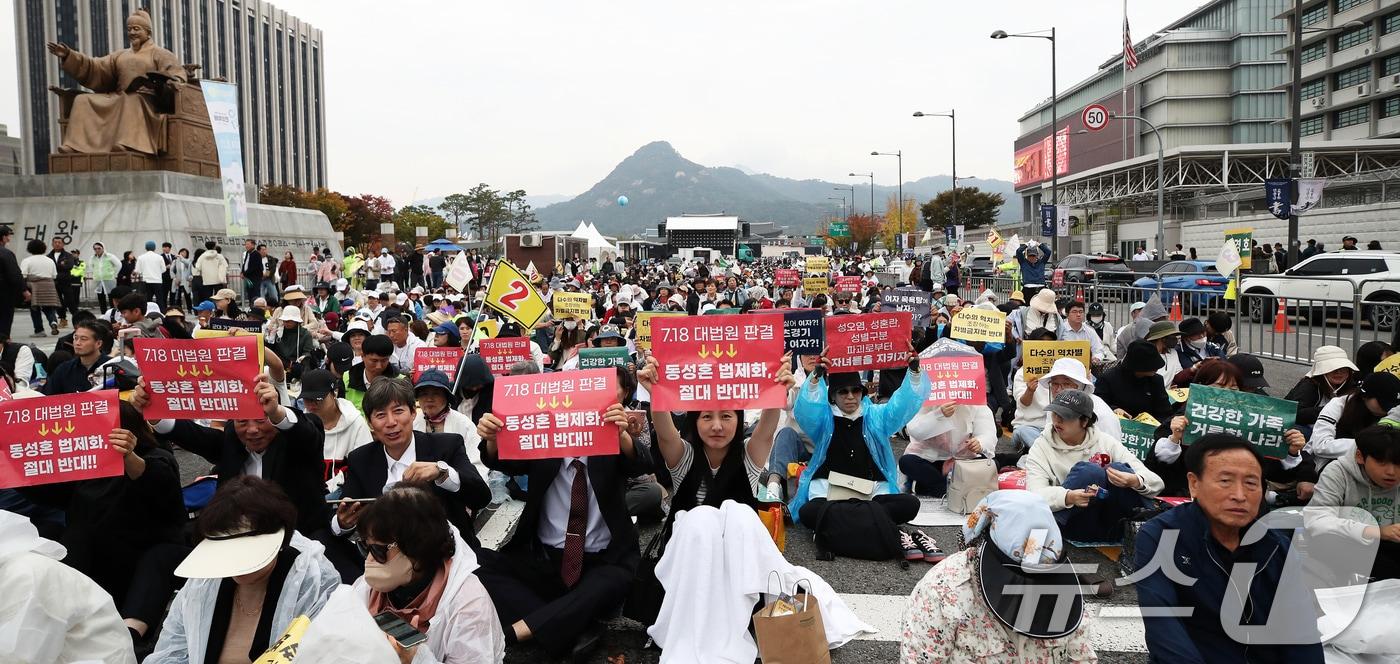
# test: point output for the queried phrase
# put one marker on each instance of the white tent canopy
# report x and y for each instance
(598, 245)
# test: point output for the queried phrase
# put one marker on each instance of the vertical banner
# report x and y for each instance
(959, 235)
(555, 415)
(1242, 237)
(1047, 221)
(199, 379)
(1276, 195)
(868, 341)
(58, 439)
(955, 378)
(1062, 221)
(444, 359)
(499, 354)
(222, 101)
(1309, 194)
(803, 332)
(718, 362)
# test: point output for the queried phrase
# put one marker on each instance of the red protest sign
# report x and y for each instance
(787, 278)
(955, 378)
(868, 341)
(190, 379)
(500, 354)
(847, 285)
(555, 415)
(444, 359)
(718, 362)
(58, 439)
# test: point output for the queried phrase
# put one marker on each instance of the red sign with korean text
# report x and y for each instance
(500, 354)
(868, 341)
(193, 379)
(847, 284)
(718, 362)
(444, 359)
(555, 415)
(787, 278)
(956, 378)
(58, 439)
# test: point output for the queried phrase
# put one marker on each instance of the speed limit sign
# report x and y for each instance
(1095, 117)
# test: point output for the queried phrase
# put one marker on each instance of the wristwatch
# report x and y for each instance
(442, 470)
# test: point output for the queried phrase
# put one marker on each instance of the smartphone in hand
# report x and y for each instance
(399, 630)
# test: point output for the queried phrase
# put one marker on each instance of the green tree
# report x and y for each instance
(976, 208)
(282, 195)
(456, 207)
(410, 217)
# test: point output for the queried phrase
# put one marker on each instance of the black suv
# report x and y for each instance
(1098, 268)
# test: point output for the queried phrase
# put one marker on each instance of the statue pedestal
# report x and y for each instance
(123, 210)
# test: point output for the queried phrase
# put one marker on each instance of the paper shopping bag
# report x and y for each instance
(794, 636)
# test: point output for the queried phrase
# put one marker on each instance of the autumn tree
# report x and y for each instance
(863, 229)
(897, 221)
(409, 217)
(282, 195)
(976, 208)
(362, 219)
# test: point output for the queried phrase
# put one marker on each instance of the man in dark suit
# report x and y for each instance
(400, 454)
(13, 291)
(574, 553)
(284, 447)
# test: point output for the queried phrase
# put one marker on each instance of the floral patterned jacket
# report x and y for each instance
(947, 622)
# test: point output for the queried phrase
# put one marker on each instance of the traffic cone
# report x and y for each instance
(1281, 322)
(1080, 295)
(1176, 308)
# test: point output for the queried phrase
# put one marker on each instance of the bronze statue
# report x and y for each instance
(123, 112)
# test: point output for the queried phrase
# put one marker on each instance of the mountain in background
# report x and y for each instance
(660, 183)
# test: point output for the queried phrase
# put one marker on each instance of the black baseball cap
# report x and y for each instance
(340, 355)
(1251, 371)
(316, 384)
(1384, 388)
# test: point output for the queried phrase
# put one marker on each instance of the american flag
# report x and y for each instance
(1130, 60)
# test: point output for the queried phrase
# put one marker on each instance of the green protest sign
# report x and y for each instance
(1259, 419)
(1138, 437)
(602, 358)
(724, 310)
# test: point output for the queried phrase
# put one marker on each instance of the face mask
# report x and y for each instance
(1198, 344)
(570, 324)
(388, 576)
(940, 329)
(1096, 319)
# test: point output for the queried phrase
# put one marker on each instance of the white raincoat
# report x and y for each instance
(50, 612)
(309, 584)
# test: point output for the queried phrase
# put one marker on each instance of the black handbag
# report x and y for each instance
(643, 602)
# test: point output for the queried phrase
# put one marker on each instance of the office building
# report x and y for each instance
(11, 153)
(1351, 69)
(274, 58)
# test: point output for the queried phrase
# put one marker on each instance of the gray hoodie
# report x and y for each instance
(1344, 484)
(1137, 330)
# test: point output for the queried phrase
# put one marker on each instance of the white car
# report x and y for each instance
(1330, 281)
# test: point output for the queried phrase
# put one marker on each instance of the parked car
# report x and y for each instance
(1328, 285)
(981, 266)
(1091, 268)
(1174, 277)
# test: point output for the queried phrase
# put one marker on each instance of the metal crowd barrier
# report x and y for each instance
(1306, 324)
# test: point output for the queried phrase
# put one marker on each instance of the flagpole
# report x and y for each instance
(1123, 99)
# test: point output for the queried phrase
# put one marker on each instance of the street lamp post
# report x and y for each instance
(1161, 181)
(899, 210)
(843, 203)
(1054, 119)
(872, 191)
(852, 189)
(952, 114)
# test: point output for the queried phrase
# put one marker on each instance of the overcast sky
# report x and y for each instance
(426, 98)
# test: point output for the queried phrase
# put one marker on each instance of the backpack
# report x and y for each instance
(970, 482)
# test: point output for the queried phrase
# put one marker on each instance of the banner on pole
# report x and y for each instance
(803, 332)
(868, 341)
(1047, 220)
(499, 354)
(221, 99)
(1276, 195)
(555, 415)
(642, 322)
(973, 324)
(198, 379)
(1062, 221)
(443, 358)
(510, 293)
(577, 306)
(1257, 418)
(1038, 356)
(718, 362)
(1309, 194)
(960, 379)
(1242, 238)
(459, 273)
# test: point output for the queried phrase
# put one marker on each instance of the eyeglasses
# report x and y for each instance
(380, 552)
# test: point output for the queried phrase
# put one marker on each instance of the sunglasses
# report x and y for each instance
(849, 390)
(380, 552)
